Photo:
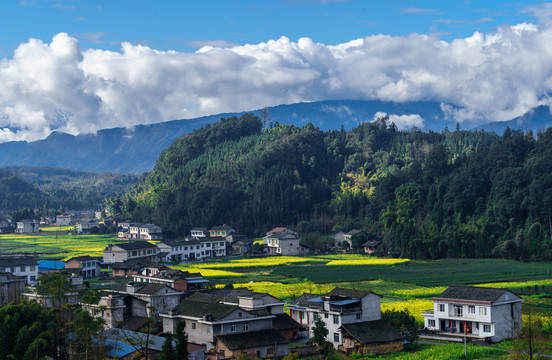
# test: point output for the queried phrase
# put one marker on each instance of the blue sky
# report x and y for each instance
(82, 65)
(186, 25)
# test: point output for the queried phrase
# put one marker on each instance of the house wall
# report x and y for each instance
(10, 289)
(351, 345)
(507, 321)
(261, 352)
(29, 272)
(114, 256)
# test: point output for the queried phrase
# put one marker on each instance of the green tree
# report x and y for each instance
(181, 338)
(319, 332)
(167, 351)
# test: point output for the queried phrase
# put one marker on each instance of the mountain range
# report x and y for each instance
(136, 149)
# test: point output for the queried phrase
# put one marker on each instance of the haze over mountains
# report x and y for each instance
(136, 150)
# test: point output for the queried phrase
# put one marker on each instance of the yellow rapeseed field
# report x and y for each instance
(414, 306)
(285, 291)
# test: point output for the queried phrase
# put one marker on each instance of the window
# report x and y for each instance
(22, 268)
(487, 328)
(336, 319)
(240, 314)
(185, 248)
(208, 329)
(208, 244)
(358, 316)
(270, 351)
(166, 322)
(336, 337)
(471, 309)
(302, 314)
(315, 316)
(431, 323)
(233, 328)
(221, 243)
(33, 278)
(193, 325)
(325, 315)
(442, 307)
(458, 310)
(245, 326)
(134, 253)
(483, 311)
(12, 269)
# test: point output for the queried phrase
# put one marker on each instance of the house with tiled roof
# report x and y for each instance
(475, 312)
(193, 249)
(284, 243)
(371, 337)
(336, 308)
(221, 231)
(160, 297)
(150, 232)
(27, 226)
(177, 279)
(11, 288)
(235, 320)
(26, 267)
(116, 253)
(85, 266)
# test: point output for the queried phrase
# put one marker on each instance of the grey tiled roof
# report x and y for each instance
(199, 309)
(17, 261)
(135, 245)
(473, 293)
(373, 332)
(350, 293)
(252, 339)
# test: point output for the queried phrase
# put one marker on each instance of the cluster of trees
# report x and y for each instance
(29, 331)
(423, 194)
(48, 188)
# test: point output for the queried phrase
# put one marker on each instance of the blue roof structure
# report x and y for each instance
(118, 349)
(344, 302)
(50, 265)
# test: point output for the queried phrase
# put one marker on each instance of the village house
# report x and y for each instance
(371, 337)
(49, 266)
(232, 321)
(85, 226)
(190, 250)
(128, 268)
(159, 298)
(150, 232)
(221, 231)
(66, 220)
(372, 247)
(476, 312)
(11, 288)
(348, 238)
(26, 267)
(27, 227)
(117, 253)
(85, 266)
(179, 280)
(284, 243)
(119, 310)
(337, 308)
(5, 226)
(134, 231)
(199, 232)
(123, 234)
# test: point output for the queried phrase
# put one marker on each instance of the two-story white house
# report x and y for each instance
(66, 220)
(190, 250)
(27, 226)
(118, 253)
(477, 312)
(284, 243)
(199, 232)
(336, 308)
(85, 266)
(150, 232)
(25, 267)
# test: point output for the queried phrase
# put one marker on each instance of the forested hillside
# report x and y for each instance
(54, 188)
(424, 194)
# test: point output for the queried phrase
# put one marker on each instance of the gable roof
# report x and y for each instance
(199, 309)
(51, 265)
(281, 235)
(350, 293)
(373, 332)
(252, 339)
(285, 322)
(130, 264)
(146, 289)
(353, 232)
(17, 261)
(474, 293)
(85, 258)
(135, 245)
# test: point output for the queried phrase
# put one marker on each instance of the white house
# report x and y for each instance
(199, 232)
(66, 220)
(477, 312)
(119, 253)
(150, 232)
(190, 250)
(338, 307)
(285, 243)
(26, 267)
(27, 226)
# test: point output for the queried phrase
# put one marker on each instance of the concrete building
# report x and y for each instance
(26, 267)
(150, 232)
(66, 220)
(85, 266)
(119, 253)
(476, 312)
(27, 226)
(337, 308)
(191, 250)
(85, 226)
(11, 288)
(285, 243)
(159, 297)
(179, 280)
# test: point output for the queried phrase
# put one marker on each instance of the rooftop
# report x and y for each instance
(373, 332)
(252, 339)
(474, 293)
(17, 261)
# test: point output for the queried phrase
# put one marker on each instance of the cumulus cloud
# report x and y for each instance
(402, 122)
(57, 85)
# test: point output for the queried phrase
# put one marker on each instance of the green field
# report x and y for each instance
(55, 246)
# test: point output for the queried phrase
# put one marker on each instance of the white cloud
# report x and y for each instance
(401, 121)
(56, 85)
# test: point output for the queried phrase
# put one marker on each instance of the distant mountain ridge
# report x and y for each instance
(135, 150)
